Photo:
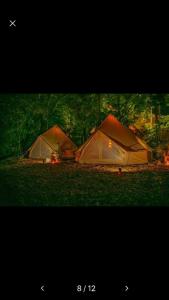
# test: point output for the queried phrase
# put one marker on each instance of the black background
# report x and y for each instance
(81, 49)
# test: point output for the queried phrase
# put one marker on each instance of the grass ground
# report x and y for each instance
(25, 183)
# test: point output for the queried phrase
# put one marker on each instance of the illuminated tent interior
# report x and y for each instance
(54, 139)
(112, 143)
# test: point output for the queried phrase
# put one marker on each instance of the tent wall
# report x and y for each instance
(138, 157)
(113, 143)
(149, 155)
(101, 149)
(54, 139)
(40, 149)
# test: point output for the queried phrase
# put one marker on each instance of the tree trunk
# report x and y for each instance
(151, 117)
(47, 116)
(19, 145)
(99, 108)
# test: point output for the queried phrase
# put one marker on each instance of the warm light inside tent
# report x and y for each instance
(110, 144)
(57, 161)
(166, 160)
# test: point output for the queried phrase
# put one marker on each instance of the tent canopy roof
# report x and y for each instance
(55, 136)
(115, 130)
(122, 135)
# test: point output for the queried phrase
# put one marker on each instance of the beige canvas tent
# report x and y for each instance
(112, 143)
(54, 139)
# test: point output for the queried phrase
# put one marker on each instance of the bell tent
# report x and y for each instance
(53, 140)
(112, 143)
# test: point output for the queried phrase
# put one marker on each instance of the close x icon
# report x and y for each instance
(12, 23)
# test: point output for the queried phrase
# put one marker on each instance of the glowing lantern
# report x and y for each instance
(110, 144)
(57, 161)
(166, 160)
(55, 158)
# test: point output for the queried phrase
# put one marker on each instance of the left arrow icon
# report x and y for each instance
(42, 288)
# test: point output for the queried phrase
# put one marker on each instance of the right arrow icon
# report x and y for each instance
(126, 288)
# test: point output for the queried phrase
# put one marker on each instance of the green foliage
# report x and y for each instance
(24, 116)
(164, 121)
(151, 137)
